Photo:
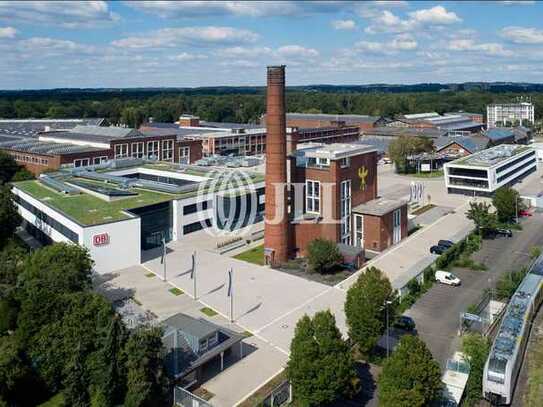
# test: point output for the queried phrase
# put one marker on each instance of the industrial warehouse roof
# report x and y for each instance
(379, 207)
(405, 131)
(492, 156)
(31, 145)
(93, 134)
(498, 134)
(470, 143)
(31, 127)
(180, 133)
(87, 209)
(420, 116)
(231, 126)
(348, 118)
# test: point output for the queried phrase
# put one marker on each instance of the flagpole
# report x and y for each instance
(231, 293)
(194, 274)
(164, 258)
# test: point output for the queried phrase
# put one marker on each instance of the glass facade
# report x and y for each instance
(156, 224)
(234, 212)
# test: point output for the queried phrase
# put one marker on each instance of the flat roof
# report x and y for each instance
(87, 209)
(333, 151)
(405, 131)
(379, 207)
(491, 156)
(352, 118)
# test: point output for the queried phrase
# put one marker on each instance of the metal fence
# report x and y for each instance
(280, 396)
(184, 398)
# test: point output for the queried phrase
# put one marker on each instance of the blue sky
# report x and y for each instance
(48, 44)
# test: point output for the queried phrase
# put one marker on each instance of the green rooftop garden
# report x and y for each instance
(90, 210)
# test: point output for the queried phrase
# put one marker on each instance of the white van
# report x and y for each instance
(444, 277)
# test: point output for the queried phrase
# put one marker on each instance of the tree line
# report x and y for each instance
(132, 108)
(61, 340)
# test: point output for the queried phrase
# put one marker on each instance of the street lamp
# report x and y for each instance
(387, 303)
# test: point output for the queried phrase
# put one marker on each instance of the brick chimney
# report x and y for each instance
(276, 232)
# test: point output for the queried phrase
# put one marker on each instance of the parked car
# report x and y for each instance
(445, 243)
(437, 249)
(525, 213)
(446, 277)
(405, 323)
(504, 232)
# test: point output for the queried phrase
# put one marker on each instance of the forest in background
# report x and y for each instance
(246, 104)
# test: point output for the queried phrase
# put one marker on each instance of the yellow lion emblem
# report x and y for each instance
(362, 174)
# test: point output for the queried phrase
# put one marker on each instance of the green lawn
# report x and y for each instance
(87, 209)
(176, 291)
(208, 311)
(254, 255)
(433, 174)
(56, 401)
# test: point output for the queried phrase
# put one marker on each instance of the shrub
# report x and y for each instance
(323, 255)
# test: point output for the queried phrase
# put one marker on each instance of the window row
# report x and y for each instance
(44, 219)
(30, 159)
(153, 149)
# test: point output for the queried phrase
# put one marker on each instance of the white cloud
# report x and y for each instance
(70, 15)
(40, 44)
(185, 56)
(386, 21)
(523, 35)
(194, 9)
(399, 43)
(297, 51)
(195, 36)
(490, 48)
(8, 32)
(344, 24)
(437, 15)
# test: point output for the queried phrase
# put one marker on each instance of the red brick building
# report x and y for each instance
(318, 120)
(322, 190)
(90, 145)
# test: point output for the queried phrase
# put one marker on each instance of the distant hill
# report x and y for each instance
(495, 87)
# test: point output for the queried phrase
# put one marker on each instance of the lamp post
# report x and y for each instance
(516, 209)
(387, 303)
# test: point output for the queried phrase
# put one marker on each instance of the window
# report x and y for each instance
(100, 160)
(167, 150)
(137, 150)
(203, 345)
(359, 230)
(345, 162)
(212, 341)
(153, 148)
(397, 226)
(121, 150)
(82, 162)
(193, 227)
(312, 196)
(42, 220)
(346, 212)
(184, 155)
(193, 208)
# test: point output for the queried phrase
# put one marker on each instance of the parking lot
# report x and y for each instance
(437, 312)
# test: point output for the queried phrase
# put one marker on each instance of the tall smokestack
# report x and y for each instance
(276, 230)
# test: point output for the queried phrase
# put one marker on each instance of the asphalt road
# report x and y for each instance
(437, 312)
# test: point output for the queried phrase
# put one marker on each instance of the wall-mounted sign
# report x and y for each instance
(100, 240)
(362, 174)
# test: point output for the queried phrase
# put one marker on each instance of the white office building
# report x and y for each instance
(484, 172)
(509, 114)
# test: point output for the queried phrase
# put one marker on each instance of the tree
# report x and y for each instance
(76, 382)
(8, 167)
(13, 371)
(479, 213)
(146, 379)
(22, 175)
(507, 201)
(109, 373)
(323, 255)
(320, 368)
(402, 147)
(9, 217)
(475, 348)
(410, 377)
(365, 308)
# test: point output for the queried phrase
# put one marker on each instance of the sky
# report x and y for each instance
(96, 44)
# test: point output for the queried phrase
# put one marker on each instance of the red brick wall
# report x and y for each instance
(378, 231)
(195, 149)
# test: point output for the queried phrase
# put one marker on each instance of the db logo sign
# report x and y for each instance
(101, 239)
